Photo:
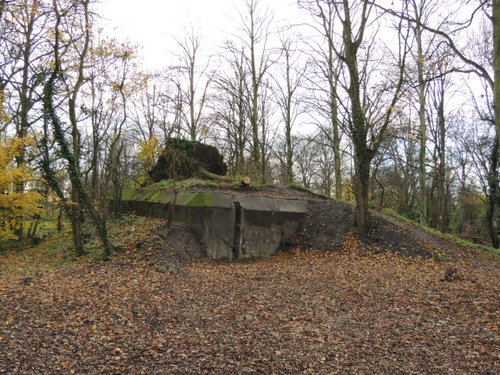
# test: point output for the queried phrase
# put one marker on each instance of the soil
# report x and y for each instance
(329, 224)
(170, 247)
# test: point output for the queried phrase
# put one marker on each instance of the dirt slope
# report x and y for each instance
(329, 224)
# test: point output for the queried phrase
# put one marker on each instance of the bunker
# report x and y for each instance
(232, 225)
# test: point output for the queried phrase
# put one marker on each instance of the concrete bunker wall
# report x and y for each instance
(232, 226)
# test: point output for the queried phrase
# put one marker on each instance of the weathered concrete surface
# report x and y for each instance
(233, 226)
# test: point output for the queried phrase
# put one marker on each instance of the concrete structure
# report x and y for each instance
(233, 226)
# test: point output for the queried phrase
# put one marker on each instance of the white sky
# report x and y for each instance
(153, 24)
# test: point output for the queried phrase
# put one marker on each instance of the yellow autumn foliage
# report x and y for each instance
(3, 116)
(149, 151)
(15, 207)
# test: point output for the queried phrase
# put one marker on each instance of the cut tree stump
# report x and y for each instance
(245, 181)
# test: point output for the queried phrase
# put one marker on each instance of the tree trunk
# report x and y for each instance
(496, 62)
(442, 220)
(213, 176)
(59, 220)
(422, 127)
(361, 187)
(337, 164)
(254, 116)
(192, 120)
(66, 150)
(288, 135)
(359, 129)
(76, 229)
(493, 196)
(334, 118)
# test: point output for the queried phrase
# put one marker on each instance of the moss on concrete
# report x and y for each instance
(131, 192)
(154, 196)
(169, 185)
(203, 199)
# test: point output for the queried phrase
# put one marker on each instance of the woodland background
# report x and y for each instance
(388, 104)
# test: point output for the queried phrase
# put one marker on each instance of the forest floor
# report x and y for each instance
(394, 301)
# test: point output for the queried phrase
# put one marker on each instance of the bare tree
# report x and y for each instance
(327, 69)
(255, 37)
(152, 107)
(325, 163)
(286, 95)
(438, 128)
(305, 162)
(194, 96)
(70, 149)
(483, 153)
(495, 18)
(366, 132)
(103, 106)
(22, 55)
(121, 85)
(420, 11)
(231, 107)
(490, 10)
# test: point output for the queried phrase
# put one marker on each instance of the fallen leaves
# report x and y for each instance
(301, 312)
(9, 320)
(151, 309)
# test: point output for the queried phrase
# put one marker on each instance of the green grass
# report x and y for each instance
(170, 185)
(300, 187)
(449, 236)
(56, 250)
(133, 191)
(203, 199)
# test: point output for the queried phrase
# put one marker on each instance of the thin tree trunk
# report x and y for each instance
(496, 58)
(496, 62)
(59, 220)
(254, 117)
(493, 196)
(192, 120)
(422, 127)
(441, 222)
(66, 150)
(334, 119)
(288, 136)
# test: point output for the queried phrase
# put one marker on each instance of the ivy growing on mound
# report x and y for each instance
(183, 159)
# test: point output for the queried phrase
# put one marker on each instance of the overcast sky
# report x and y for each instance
(153, 24)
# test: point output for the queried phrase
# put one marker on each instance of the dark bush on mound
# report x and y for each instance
(182, 159)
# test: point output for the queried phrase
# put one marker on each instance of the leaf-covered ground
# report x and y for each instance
(300, 312)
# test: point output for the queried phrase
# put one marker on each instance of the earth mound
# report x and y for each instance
(172, 247)
(329, 226)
